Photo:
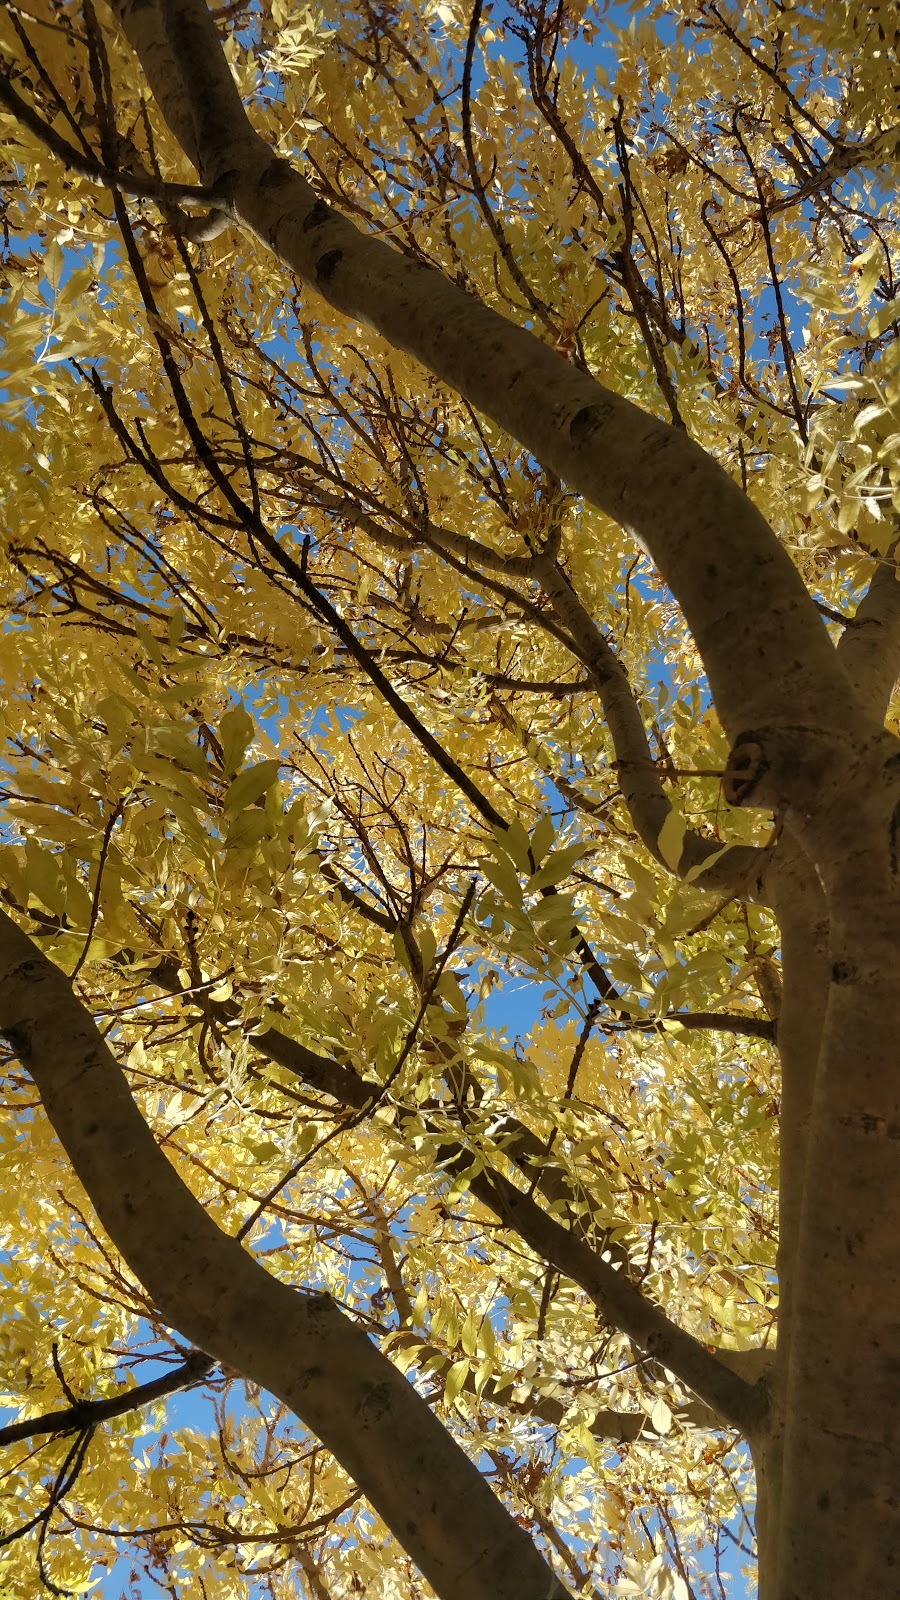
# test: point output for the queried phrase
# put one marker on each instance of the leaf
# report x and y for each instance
(501, 872)
(454, 1381)
(697, 871)
(514, 843)
(883, 318)
(468, 1333)
(247, 829)
(250, 785)
(483, 1374)
(449, 989)
(869, 267)
(848, 514)
(542, 838)
(53, 265)
(43, 877)
(868, 413)
(554, 908)
(401, 953)
(405, 1357)
(661, 1417)
(557, 866)
(671, 839)
(235, 731)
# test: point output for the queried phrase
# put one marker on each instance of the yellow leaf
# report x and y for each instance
(250, 785)
(661, 1417)
(671, 839)
(454, 1380)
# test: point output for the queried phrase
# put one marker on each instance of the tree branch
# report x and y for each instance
(639, 780)
(870, 644)
(620, 1426)
(640, 786)
(622, 1304)
(767, 654)
(716, 1022)
(170, 197)
(90, 1413)
(299, 1345)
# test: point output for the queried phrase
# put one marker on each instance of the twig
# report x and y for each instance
(111, 821)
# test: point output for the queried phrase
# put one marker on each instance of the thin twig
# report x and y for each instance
(111, 821)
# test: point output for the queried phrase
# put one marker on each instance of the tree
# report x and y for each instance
(452, 486)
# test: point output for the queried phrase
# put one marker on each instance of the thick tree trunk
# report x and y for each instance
(829, 1454)
(793, 889)
(829, 1461)
(839, 1515)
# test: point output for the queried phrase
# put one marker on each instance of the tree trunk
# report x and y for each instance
(839, 1521)
(828, 1451)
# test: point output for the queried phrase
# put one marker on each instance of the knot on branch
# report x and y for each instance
(747, 764)
(792, 767)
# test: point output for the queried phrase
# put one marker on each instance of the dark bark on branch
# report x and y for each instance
(91, 1413)
(620, 1427)
(767, 654)
(720, 1022)
(622, 1303)
(642, 790)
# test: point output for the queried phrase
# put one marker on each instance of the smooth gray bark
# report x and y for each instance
(870, 645)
